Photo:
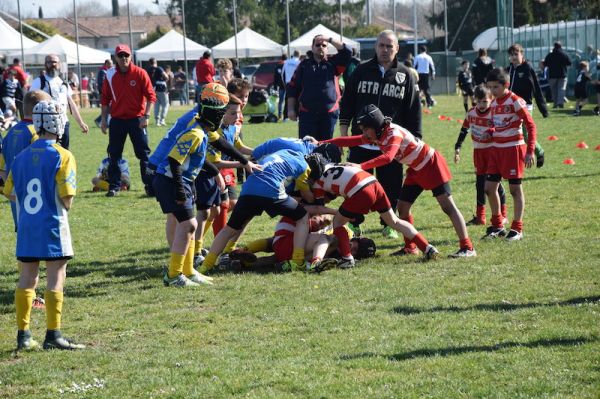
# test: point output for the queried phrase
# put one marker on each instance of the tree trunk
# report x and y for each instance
(115, 8)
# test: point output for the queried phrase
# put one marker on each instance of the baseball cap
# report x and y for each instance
(122, 48)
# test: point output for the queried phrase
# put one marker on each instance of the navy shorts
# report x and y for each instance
(164, 187)
(249, 206)
(207, 192)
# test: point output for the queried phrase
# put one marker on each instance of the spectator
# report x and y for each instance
(397, 98)
(315, 90)
(236, 68)
(92, 88)
(125, 92)
(101, 76)
(289, 66)
(22, 78)
(409, 64)
(8, 91)
(180, 83)
(73, 80)
(205, 72)
(170, 83)
(50, 82)
(557, 62)
(425, 67)
(159, 78)
(481, 67)
(279, 84)
(225, 68)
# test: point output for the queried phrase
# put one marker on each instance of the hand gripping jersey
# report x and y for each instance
(183, 124)
(41, 175)
(283, 143)
(481, 126)
(19, 137)
(190, 151)
(103, 168)
(508, 114)
(279, 170)
(230, 133)
(342, 180)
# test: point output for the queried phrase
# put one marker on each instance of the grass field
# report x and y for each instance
(521, 320)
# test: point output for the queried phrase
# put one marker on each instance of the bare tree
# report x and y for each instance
(115, 8)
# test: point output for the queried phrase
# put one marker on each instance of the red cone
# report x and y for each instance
(597, 147)
(582, 145)
(569, 161)
(442, 117)
(552, 138)
(460, 121)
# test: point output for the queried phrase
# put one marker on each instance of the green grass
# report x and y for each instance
(520, 320)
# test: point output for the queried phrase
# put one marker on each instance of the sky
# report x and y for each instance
(53, 7)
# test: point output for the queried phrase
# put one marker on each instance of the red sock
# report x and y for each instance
(517, 225)
(343, 241)
(466, 244)
(503, 210)
(410, 244)
(420, 241)
(481, 213)
(221, 219)
(497, 221)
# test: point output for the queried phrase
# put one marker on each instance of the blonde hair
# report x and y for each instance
(224, 63)
(31, 99)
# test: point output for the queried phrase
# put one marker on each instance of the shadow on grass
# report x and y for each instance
(496, 307)
(460, 350)
(126, 265)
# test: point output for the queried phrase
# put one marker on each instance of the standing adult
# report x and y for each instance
(315, 90)
(170, 83)
(289, 67)
(205, 72)
(127, 94)
(388, 84)
(481, 67)
(181, 83)
(51, 82)
(425, 66)
(101, 76)
(279, 84)
(22, 78)
(557, 62)
(159, 79)
(524, 83)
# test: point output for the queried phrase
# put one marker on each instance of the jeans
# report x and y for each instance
(118, 130)
(281, 105)
(319, 125)
(162, 105)
(182, 95)
(558, 87)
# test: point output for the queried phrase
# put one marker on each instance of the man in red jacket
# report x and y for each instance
(125, 92)
(205, 72)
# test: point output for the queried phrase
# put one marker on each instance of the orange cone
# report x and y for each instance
(597, 147)
(449, 119)
(552, 138)
(582, 145)
(569, 161)
(460, 121)
(442, 117)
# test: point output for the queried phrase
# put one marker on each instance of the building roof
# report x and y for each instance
(388, 24)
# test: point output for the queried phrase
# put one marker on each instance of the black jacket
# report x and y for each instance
(396, 94)
(557, 62)
(480, 70)
(524, 83)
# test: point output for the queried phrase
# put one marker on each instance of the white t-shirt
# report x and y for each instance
(289, 67)
(422, 63)
(58, 90)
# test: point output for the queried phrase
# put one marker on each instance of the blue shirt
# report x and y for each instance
(283, 143)
(190, 151)
(183, 124)
(19, 137)
(279, 170)
(41, 175)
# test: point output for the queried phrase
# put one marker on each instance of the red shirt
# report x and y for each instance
(127, 93)
(21, 75)
(205, 71)
(509, 113)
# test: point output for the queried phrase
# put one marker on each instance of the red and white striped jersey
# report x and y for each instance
(412, 152)
(481, 126)
(342, 180)
(287, 226)
(508, 114)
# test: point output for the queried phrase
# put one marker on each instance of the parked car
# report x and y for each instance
(248, 71)
(264, 75)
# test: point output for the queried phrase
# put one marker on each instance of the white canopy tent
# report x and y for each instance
(304, 42)
(488, 39)
(11, 39)
(66, 51)
(250, 45)
(170, 47)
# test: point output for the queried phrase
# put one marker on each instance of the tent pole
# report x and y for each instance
(185, 60)
(130, 33)
(78, 61)
(287, 26)
(21, 29)
(341, 23)
(235, 31)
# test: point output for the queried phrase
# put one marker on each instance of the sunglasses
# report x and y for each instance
(123, 55)
(321, 45)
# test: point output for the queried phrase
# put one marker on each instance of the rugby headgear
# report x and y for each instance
(47, 116)
(366, 247)
(330, 152)
(213, 100)
(316, 163)
(371, 116)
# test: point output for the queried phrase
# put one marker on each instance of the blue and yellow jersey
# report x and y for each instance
(279, 171)
(190, 151)
(19, 137)
(183, 124)
(41, 175)
(230, 133)
(103, 168)
(283, 143)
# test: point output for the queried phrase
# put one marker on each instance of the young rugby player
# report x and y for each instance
(43, 183)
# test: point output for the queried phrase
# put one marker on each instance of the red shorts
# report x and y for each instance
(481, 159)
(508, 162)
(284, 247)
(370, 198)
(229, 176)
(432, 175)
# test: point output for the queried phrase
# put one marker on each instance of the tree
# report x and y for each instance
(48, 29)
(154, 36)
(115, 8)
